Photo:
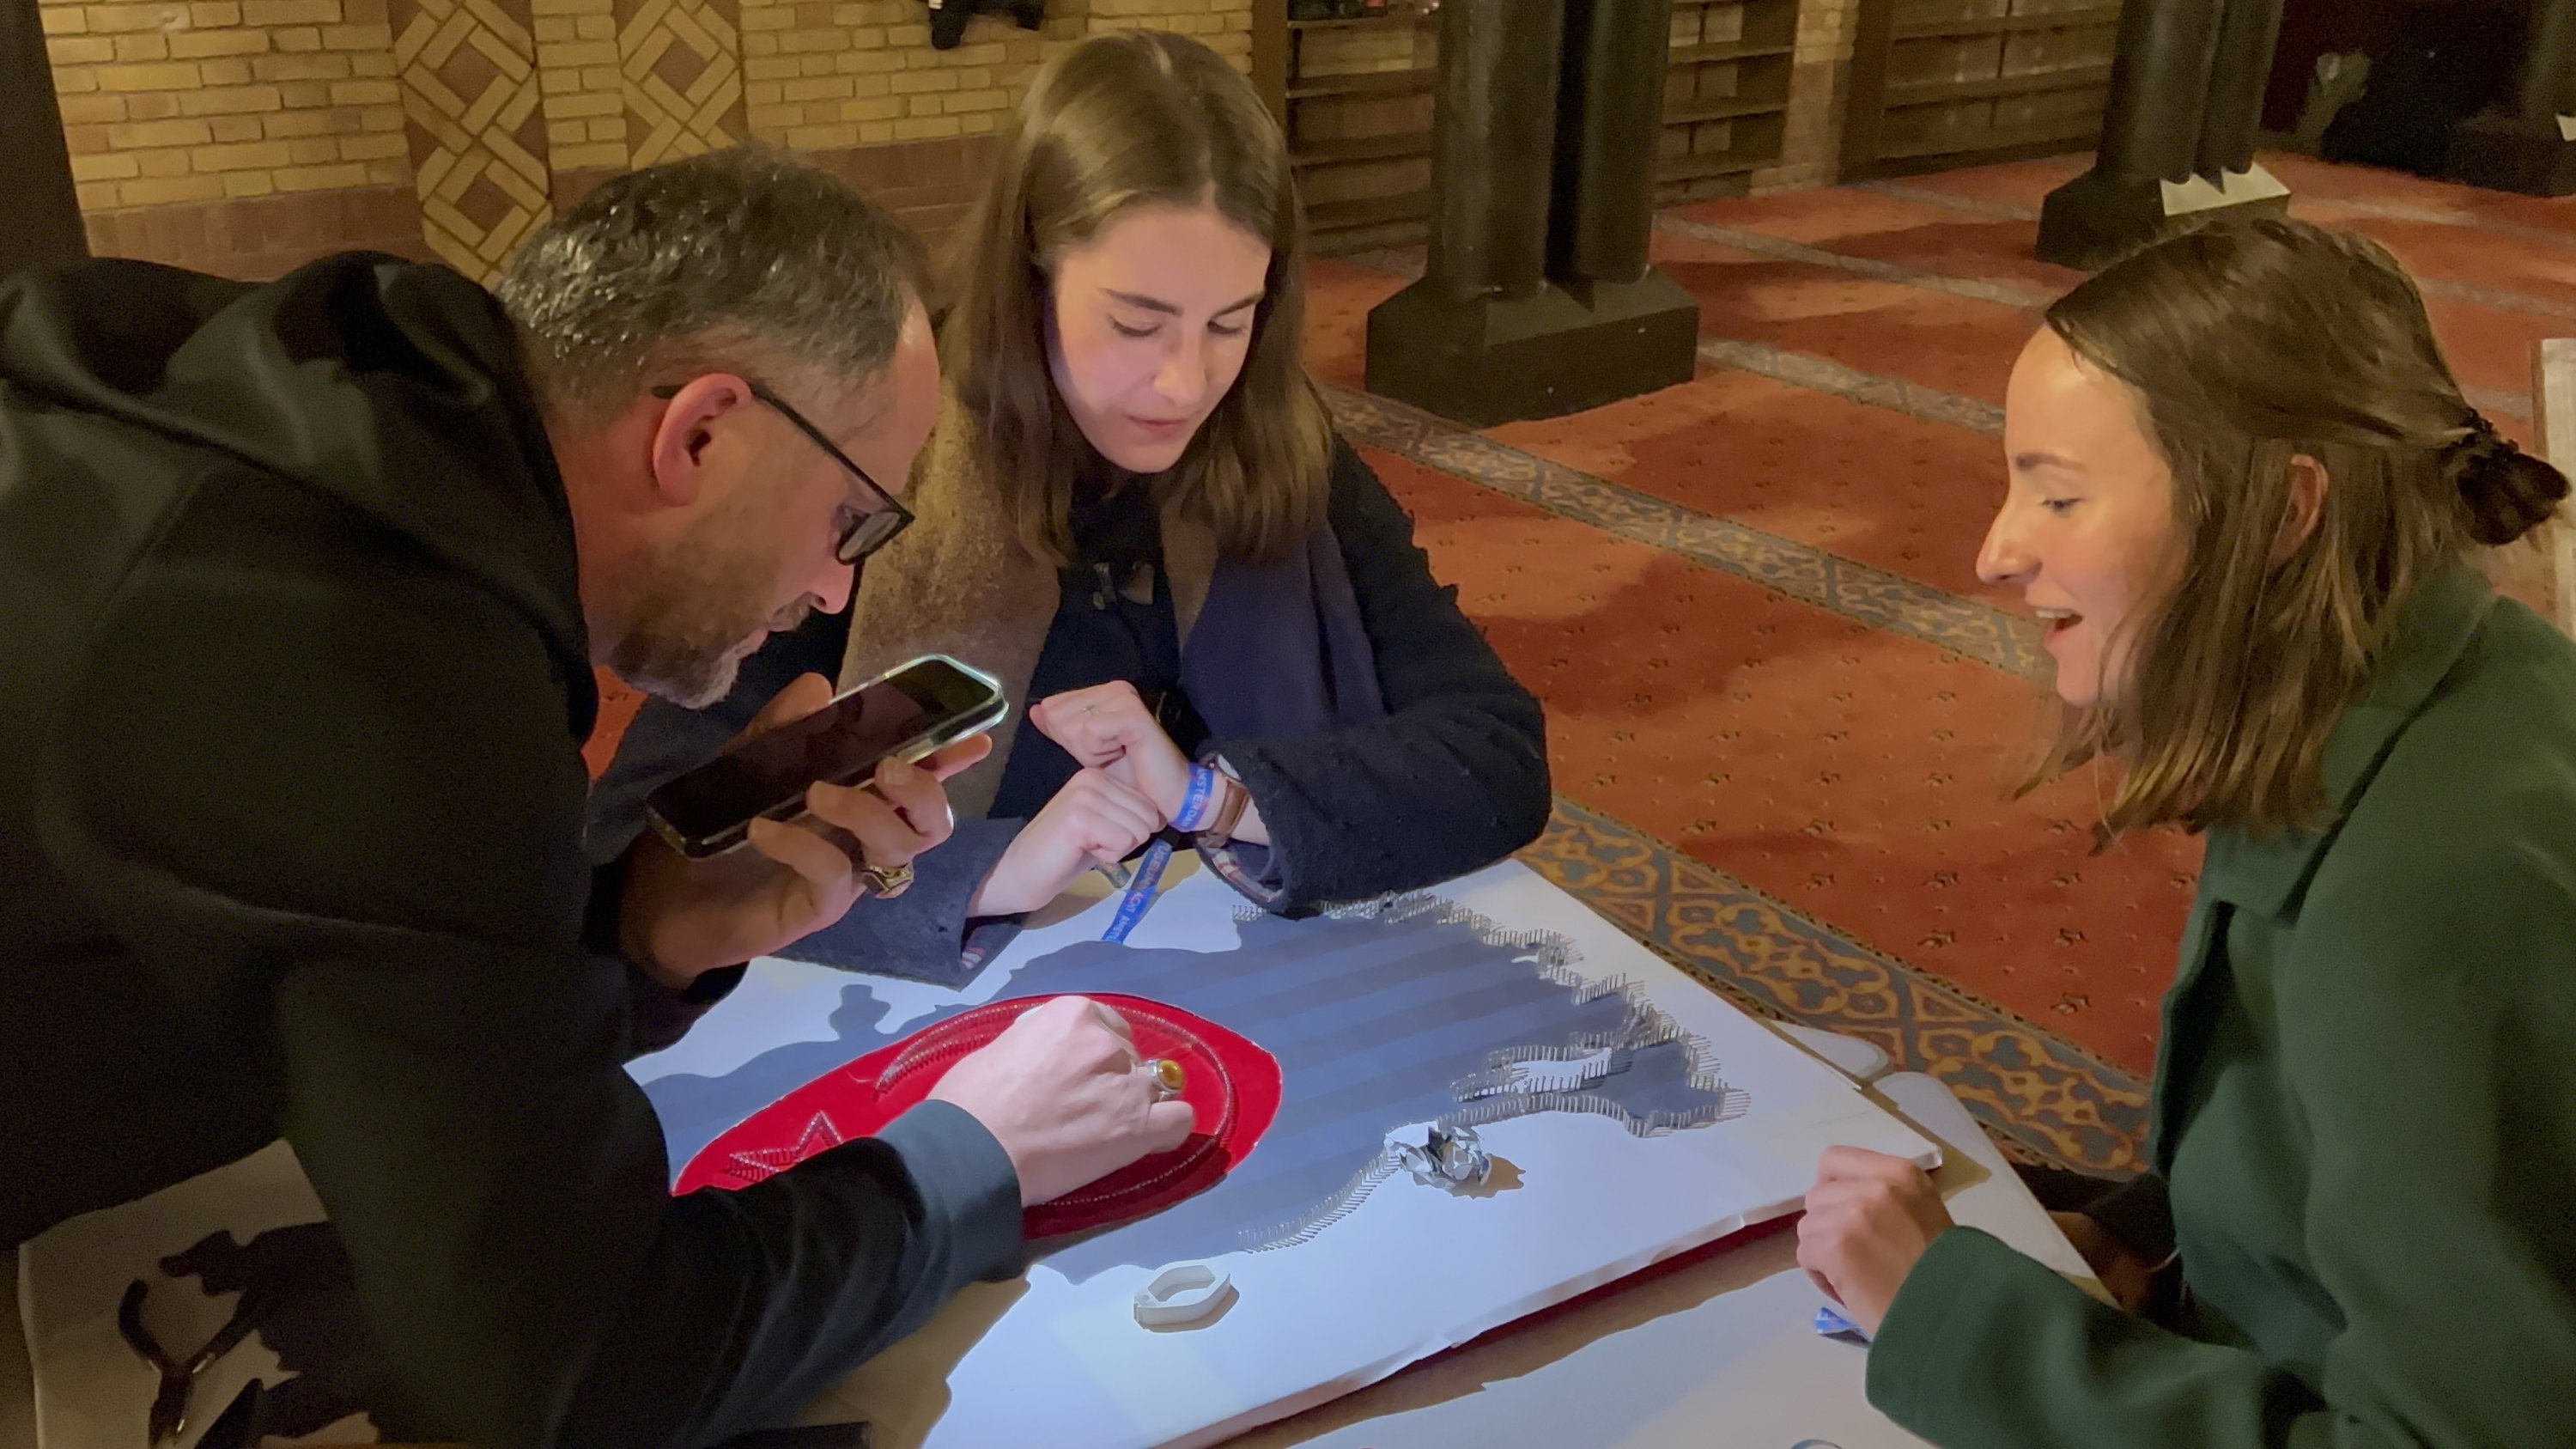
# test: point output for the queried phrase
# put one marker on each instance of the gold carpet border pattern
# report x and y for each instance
(2029, 1086)
(1865, 595)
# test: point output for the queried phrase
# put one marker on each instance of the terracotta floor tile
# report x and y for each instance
(2541, 269)
(1938, 239)
(1887, 328)
(2307, 176)
(1338, 298)
(2016, 183)
(617, 706)
(1874, 486)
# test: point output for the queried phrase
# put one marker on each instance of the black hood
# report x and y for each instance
(393, 387)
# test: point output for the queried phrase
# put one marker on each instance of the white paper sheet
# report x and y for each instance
(1058, 1358)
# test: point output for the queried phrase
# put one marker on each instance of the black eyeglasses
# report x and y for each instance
(865, 533)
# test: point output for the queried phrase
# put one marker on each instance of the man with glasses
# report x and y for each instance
(301, 587)
(878, 515)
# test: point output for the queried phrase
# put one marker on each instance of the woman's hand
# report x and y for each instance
(680, 918)
(1094, 818)
(2129, 1274)
(1869, 1218)
(1107, 727)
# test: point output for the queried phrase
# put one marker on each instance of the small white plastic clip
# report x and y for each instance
(1182, 1295)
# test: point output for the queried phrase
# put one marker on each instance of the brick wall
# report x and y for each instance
(822, 77)
(244, 136)
(1819, 89)
(225, 99)
(583, 81)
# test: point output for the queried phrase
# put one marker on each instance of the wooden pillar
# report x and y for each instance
(1538, 299)
(2239, 71)
(40, 224)
(1270, 47)
(1611, 105)
(2151, 117)
(1492, 142)
(2177, 132)
(2545, 88)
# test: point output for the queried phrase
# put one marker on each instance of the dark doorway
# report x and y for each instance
(2433, 63)
(2310, 30)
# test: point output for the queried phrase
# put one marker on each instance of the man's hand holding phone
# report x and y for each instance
(680, 918)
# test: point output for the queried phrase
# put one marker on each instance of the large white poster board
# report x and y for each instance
(1631, 1115)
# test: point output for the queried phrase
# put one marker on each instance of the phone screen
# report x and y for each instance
(841, 743)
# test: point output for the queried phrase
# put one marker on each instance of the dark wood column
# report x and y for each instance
(2177, 133)
(1610, 106)
(2238, 71)
(1538, 299)
(1493, 145)
(2159, 66)
(40, 220)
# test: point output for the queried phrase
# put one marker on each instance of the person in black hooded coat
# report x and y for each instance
(301, 589)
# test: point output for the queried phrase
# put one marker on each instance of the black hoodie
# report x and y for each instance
(293, 685)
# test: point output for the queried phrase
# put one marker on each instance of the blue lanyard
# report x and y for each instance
(1140, 891)
(1158, 856)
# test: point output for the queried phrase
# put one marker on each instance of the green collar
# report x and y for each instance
(2434, 628)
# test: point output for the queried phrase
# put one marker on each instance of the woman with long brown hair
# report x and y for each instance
(1136, 513)
(2243, 490)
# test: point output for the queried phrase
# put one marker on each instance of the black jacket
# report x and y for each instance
(293, 683)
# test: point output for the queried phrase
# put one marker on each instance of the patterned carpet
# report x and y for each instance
(1783, 712)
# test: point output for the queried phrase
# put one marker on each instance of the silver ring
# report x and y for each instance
(1167, 1076)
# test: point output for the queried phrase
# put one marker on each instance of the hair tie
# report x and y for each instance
(2477, 455)
(2482, 441)
(2506, 493)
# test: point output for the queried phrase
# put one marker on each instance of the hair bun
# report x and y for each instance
(2507, 491)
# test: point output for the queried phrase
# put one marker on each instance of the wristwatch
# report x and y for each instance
(1229, 810)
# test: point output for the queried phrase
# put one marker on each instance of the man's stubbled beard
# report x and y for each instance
(695, 622)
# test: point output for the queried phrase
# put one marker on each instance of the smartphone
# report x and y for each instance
(907, 713)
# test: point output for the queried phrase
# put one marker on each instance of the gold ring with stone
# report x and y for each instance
(885, 882)
(1167, 1076)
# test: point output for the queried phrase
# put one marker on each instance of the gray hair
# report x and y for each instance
(742, 259)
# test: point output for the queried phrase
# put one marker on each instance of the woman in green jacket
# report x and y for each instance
(2243, 490)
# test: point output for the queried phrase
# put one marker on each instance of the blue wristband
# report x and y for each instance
(1140, 892)
(1194, 804)
(1834, 1325)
